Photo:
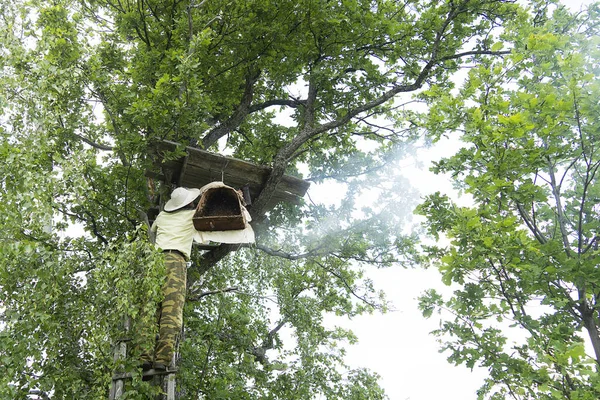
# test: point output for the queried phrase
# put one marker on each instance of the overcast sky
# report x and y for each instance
(397, 345)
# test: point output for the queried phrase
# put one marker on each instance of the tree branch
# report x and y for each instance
(260, 352)
(293, 103)
(561, 216)
(212, 257)
(95, 227)
(287, 256)
(94, 144)
(84, 139)
(208, 293)
(590, 244)
(350, 288)
(476, 53)
(104, 100)
(531, 224)
(242, 110)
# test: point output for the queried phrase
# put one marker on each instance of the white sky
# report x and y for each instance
(397, 345)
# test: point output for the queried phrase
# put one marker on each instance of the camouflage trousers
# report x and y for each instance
(170, 311)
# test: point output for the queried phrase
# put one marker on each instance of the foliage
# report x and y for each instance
(522, 258)
(88, 90)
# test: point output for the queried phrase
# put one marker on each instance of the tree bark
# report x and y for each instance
(589, 321)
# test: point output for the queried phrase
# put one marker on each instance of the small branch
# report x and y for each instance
(476, 53)
(94, 144)
(348, 175)
(579, 128)
(531, 225)
(566, 172)
(377, 127)
(287, 256)
(350, 289)
(95, 227)
(208, 293)
(104, 100)
(84, 139)
(590, 244)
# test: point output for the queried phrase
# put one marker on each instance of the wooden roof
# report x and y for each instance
(200, 167)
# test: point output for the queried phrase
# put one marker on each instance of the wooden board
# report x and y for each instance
(200, 167)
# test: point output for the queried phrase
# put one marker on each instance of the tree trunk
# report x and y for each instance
(589, 321)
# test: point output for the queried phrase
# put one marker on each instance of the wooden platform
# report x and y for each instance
(200, 167)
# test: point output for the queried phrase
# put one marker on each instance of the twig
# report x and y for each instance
(350, 289)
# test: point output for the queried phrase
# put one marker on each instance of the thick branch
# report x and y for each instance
(211, 258)
(293, 103)
(589, 321)
(260, 352)
(309, 113)
(241, 112)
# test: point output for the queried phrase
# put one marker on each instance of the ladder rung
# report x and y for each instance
(150, 372)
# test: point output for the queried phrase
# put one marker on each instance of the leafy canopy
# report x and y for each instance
(523, 258)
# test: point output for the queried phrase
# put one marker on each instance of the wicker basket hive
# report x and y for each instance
(219, 209)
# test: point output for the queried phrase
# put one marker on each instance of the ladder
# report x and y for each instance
(117, 386)
(118, 383)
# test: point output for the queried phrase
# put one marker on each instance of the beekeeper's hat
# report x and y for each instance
(181, 197)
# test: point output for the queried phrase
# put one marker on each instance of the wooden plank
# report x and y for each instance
(170, 387)
(233, 171)
(117, 387)
(192, 181)
(243, 172)
(181, 174)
